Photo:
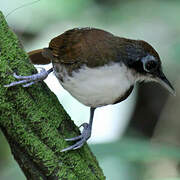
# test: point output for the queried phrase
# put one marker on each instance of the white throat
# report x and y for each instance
(97, 86)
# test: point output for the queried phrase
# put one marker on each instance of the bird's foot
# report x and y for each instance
(29, 80)
(85, 135)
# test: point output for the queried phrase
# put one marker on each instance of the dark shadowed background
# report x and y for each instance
(138, 139)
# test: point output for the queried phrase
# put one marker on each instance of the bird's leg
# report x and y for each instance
(29, 80)
(85, 135)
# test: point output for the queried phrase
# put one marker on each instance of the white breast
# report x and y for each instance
(96, 87)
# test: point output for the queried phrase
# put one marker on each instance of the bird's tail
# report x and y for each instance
(36, 57)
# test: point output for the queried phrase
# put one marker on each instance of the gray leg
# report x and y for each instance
(86, 134)
(29, 80)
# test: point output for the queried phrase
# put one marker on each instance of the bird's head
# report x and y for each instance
(145, 63)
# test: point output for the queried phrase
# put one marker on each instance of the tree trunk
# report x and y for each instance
(34, 122)
(151, 99)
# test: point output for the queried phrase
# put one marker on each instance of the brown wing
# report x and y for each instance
(83, 46)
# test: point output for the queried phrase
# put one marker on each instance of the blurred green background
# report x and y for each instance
(138, 139)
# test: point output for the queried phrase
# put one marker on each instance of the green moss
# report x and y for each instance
(35, 123)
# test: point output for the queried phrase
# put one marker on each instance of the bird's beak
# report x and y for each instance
(161, 78)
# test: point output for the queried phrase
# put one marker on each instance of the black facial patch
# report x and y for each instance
(137, 66)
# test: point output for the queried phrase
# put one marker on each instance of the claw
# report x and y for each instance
(86, 133)
(74, 138)
(28, 84)
(16, 83)
(77, 145)
(84, 125)
(29, 80)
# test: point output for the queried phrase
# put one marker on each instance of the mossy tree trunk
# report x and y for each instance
(34, 122)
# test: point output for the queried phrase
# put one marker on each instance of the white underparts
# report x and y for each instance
(97, 86)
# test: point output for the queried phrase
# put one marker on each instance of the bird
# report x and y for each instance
(97, 68)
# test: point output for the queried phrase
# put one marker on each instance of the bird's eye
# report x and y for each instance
(151, 65)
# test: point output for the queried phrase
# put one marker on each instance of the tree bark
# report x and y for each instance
(34, 122)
